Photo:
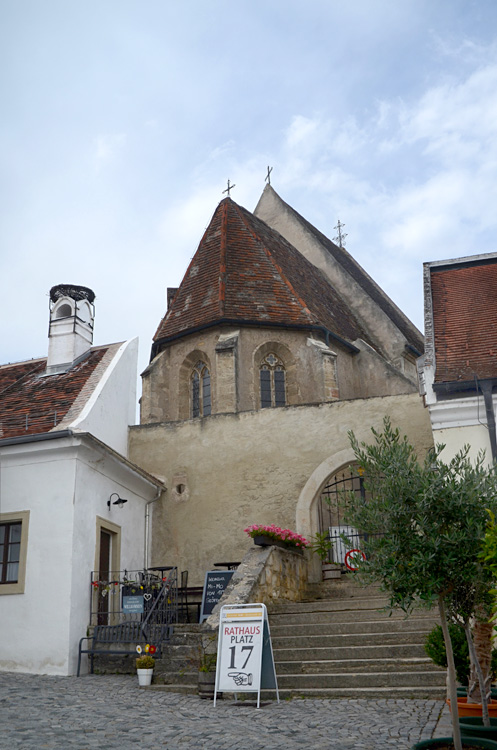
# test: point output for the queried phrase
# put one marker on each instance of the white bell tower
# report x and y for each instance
(70, 333)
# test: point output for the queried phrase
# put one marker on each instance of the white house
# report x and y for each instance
(63, 472)
(458, 372)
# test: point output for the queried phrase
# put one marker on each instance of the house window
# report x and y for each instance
(201, 390)
(10, 552)
(13, 550)
(272, 380)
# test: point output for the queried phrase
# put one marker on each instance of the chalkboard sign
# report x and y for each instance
(214, 587)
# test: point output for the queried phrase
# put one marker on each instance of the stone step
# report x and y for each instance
(332, 616)
(318, 653)
(348, 639)
(337, 628)
(361, 679)
(328, 666)
(328, 605)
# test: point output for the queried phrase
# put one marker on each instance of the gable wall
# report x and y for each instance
(227, 471)
(387, 337)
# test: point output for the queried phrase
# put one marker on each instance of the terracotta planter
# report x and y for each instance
(474, 709)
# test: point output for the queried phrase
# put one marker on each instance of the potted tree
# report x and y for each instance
(321, 545)
(422, 525)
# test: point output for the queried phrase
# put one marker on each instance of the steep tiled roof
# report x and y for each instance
(244, 271)
(31, 403)
(347, 262)
(464, 299)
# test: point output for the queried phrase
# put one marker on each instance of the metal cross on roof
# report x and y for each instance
(268, 176)
(340, 238)
(230, 187)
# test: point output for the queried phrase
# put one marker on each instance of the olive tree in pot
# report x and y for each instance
(423, 524)
(321, 545)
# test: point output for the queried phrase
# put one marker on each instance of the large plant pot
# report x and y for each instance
(473, 726)
(438, 742)
(265, 541)
(331, 570)
(144, 677)
(474, 709)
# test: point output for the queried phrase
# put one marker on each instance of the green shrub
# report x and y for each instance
(435, 648)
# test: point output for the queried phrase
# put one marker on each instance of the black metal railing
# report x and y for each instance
(146, 597)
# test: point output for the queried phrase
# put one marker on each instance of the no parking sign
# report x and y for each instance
(245, 660)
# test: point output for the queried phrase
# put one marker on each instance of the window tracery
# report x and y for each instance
(272, 381)
(201, 390)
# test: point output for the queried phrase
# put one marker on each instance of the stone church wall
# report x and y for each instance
(227, 471)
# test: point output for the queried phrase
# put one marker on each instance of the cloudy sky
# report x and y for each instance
(122, 121)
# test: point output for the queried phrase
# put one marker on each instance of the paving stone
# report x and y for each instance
(110, 712)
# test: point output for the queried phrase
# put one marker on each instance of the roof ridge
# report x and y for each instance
(222, 259)
(275, 264)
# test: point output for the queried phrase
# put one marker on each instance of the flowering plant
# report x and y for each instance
(275, 532)
(145, 660)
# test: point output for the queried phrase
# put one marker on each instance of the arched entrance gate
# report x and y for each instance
(331, 508)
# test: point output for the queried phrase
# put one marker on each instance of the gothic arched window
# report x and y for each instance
(201, 390)
(272, 380)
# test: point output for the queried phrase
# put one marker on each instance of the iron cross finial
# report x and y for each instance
(268, 176)
(340, 238)
(230, 187)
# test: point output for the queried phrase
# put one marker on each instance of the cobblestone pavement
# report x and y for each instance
(107, 712)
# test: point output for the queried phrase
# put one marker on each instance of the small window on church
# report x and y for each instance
(272, 378)
(201, 390)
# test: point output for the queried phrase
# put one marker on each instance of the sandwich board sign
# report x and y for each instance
(245, 662)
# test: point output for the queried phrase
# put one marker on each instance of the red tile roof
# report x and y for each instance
(31, 404)
(464, 298)
(244, 271)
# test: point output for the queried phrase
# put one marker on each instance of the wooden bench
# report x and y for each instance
(111, 639)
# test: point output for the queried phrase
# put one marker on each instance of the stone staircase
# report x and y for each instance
(336, 644)
(339, 644)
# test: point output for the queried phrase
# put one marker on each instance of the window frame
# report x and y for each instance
(22, 517)
(277, 366)
(198, 386)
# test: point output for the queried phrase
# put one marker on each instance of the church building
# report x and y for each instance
(274, 346)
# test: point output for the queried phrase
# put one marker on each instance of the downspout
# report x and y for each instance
(486, 389)
(147, 530)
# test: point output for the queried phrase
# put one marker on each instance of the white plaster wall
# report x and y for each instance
(65, 484)
(456, 438)
(251, 467)
(112, 406)
(34, 626)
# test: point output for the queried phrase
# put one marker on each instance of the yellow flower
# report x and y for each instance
(147, 648)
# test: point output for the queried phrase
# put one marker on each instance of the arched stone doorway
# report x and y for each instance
(335, 474)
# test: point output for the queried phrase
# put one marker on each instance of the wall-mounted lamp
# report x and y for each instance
(119, 502)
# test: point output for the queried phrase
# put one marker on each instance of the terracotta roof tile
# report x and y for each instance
(31, 404)
(245, 271)
(464, 298)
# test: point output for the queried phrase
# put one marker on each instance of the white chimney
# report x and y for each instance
(70, 333)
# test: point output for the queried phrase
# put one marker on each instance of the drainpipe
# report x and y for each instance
(486, 389)
(147, 530)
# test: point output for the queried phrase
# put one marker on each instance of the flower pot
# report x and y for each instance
(144, 676)
(266, 541)
(474, 709)
(472, 726)
(331, 570)
(437, 742)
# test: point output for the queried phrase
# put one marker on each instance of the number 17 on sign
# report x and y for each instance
(245, 660)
